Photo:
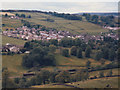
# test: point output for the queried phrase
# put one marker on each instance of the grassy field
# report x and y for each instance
(73, 26)
(95, 83)
(13, 63)
(10, 40)
(11, 23)
(98, 83)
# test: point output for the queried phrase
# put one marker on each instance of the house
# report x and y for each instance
(14, 49)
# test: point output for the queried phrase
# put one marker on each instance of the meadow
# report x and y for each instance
(63, 63)
(94, 83)
(6, 39)
(73, 26)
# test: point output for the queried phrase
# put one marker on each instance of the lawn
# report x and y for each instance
(6, 39)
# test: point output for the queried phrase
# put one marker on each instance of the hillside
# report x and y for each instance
(73, 26)
(14, 41)
(95, 83)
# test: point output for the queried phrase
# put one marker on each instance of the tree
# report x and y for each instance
(105, 53)
(110, 73)
(98, 55)
(45, 75)
(112, 54)
(6, 15)
(88, 64)
(52, 48)
(38, 56)
(54, 42)
(77, 42)
(101, 74)
(66, 42)
(23, 15)
(63, 77)
(17, 14)
(6, 82)
(16, 80)
(29, 16)
(65, 52)
(74, 50)
(88, 52)
(81, 75)
(79, 53)
(118, 55)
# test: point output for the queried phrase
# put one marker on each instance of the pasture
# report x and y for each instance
(73, 26)
(6, 39)
(94, 83)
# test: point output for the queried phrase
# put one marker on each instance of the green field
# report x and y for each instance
(13, 63)
(73, 26)
(11, 23)
(10, 40)
(95, 83)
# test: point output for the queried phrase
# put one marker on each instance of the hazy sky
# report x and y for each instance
(66, 6)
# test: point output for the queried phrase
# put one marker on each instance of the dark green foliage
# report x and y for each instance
(63, 77)
(6, 15)
(88, 52)
(98, 55)
(77, 42)
(38, 56)
(66, 16)
(29, 16)
(23, 15)
(65, 52)
(16, 80)
(54, 42)
(74, 50)
(6, 81)
(101, 74)
(112, 54)
(88, 64)
(79, 53)
(105, 52)
(118, 54)
(66, 42)
(28, 45)
(110, 73)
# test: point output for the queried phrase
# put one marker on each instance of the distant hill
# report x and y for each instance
(101, 14)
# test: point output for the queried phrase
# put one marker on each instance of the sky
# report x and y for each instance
(62, 6)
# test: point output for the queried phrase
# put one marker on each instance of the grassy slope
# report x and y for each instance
(95, 83)
(11, 23)
(13, 63)
(14, 41)
(63, 24)
(98, 83)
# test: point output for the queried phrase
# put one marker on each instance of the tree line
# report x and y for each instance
(109, 20)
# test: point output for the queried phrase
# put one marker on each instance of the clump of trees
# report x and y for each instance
(6, 81)
(88, 52)
(23, 15)
(38, 57)
(108, 20)
(65, 16)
